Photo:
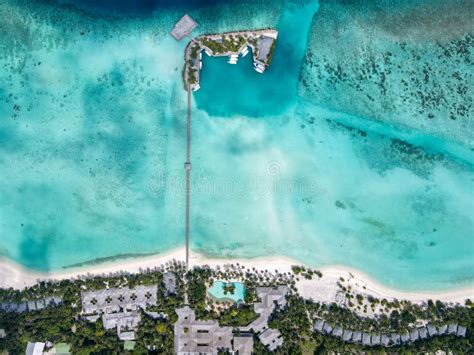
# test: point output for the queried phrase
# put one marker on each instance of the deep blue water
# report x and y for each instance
(140, 7)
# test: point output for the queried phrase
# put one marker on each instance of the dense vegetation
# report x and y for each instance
(63, 324)
(225, 44)
(296, 327)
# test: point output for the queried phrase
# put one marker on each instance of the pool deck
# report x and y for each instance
(260, 42)
(223, 297)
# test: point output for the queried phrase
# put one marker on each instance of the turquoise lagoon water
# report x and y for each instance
(92, 145)
(238, 89)
(217, 291)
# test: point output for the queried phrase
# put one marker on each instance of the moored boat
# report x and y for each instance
(233, 59)
(244, 52)
(259, 68)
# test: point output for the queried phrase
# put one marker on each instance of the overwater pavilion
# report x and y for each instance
(183, 27)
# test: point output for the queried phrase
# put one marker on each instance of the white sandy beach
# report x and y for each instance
(322, 289)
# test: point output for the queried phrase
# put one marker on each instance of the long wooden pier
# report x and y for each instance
(188, 175)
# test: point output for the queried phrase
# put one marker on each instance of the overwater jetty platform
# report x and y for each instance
(183, 27)
(229, 44)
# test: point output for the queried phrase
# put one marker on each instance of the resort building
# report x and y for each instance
(270, 299)
(327, 328)
(271, 338)
(113, 299)
(169, 281)
(374, 340)
(395, 339)
(183, 27)
(337, 331)
(30, 305)
(194, 336)
(386, 340)
(243, 344)
(461, 331)
(404, 338)
(357, 337)
(452, 329)
(18, 307)
(318, 325)
(119, 307)
(257, 326)
(366, 338)
(443, 329)
(423, 332)
(414, 336)
(198, 336)
(125, 322)
(347, 335)
(432, 331)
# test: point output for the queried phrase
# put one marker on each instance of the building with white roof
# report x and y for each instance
(35, 348)
(113, 299)
(119, 307)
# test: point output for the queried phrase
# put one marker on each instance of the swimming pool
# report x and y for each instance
(218, 291)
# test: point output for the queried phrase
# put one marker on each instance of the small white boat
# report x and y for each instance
(207, 52)
(233, 58)
(196, 87)
(200, 55)
(244, 52)
(200, 64)
(258, 68)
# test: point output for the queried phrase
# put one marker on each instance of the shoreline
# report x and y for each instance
(322, 289)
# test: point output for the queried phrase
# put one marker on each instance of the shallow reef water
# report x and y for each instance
(397, 61)
(293, 162)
